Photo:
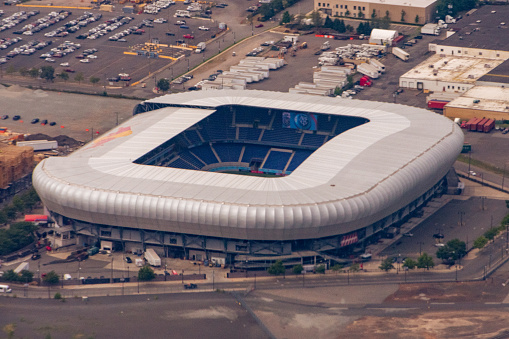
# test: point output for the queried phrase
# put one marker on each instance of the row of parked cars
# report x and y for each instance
(157, 6)
(5, 43)
(29, 48)
(104, 28)
(74, 25)
(43, 23)
(61, 50)
(15, 19)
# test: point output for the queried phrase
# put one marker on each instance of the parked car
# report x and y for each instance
(5, 117)
(190, 286)
(128, 260)
(34, 121)
(188, 36)
(203, 28)
(52, 123)
(259, 25)
(44, 122)
(36, 256)
(16, 117)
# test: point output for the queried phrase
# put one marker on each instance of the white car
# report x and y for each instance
(64, 64)
(203, 28)
(84, 60)
(50, 60)
(92, 56)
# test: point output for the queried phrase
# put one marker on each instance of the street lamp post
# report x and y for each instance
(461, 214)
(469, 158)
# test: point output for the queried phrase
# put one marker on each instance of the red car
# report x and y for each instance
(259, 25)
(188, 36)
(69, 70)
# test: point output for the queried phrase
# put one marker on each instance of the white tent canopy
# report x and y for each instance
(382, 36)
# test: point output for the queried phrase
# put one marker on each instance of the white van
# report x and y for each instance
(5, 289)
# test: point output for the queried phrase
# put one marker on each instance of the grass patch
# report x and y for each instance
(481, 164)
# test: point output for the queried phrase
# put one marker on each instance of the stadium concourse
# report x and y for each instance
(240, 177)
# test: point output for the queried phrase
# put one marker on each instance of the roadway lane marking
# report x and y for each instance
(493, 303)
(443, 303)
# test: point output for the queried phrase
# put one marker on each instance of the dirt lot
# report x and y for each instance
(190, 315)
(73, 113)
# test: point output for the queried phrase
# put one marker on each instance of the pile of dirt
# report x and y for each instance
(63, 140)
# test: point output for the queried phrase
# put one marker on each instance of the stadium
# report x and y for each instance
(240, 177)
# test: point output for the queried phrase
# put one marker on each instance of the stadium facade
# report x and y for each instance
(323, 175)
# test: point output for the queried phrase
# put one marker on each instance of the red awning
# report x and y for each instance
(36, 217)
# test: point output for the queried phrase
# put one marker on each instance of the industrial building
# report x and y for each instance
(453, 74)
(481, 34)
(241, 175)
(480, 101)
(419, 12)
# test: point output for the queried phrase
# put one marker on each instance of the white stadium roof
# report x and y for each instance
(355, 179)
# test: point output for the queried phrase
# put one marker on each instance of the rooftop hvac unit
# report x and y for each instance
(487, 66)
(431, 66)
(435, 72)
(470, 76)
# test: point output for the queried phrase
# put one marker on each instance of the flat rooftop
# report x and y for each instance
(490, 99)
(459, 69)
(486, 28)
(499, 74)
(402, 3)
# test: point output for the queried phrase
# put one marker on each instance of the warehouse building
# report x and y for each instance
(480, 101)
(419, 12)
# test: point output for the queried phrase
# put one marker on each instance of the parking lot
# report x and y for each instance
(111, 34)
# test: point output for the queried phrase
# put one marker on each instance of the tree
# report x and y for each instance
(10, 211)
(417, 19)
(26, 276)
(94, 80)
(360, 28)
(48, 73)
(63, 75)
(349, 28)
(355, 267)
(328, 22)
(79, 77)
(409, 263)
(316, 19)
(491, 233)
(403, 13)
(146, 273)
(51, 278)
(18, 203)
(425, 261)
(457, 247)
(387, 15)
(23, 71)
(480, 242)
(387, 264)
(3, 218)
(360, 14)
(163, 84)
(286, 18)
(373, 15)
(336, 267)
(276, 268)
(11, 276)
(347, 13)
(297, 269)
(33, 72)
(320, 269)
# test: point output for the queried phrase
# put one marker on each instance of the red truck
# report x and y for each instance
(437, 104)
(365, 81)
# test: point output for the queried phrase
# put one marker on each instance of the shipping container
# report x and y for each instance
(489, 125)
(480, 125)
(472, 124)
(437, 104)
